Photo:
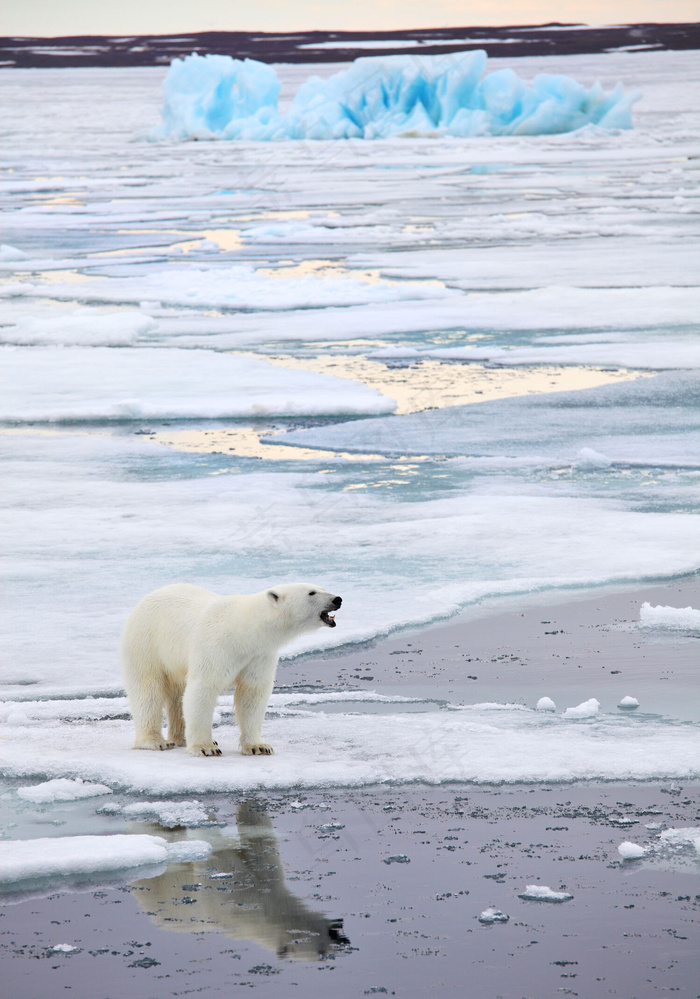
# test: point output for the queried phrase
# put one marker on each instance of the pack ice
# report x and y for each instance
(216, 96)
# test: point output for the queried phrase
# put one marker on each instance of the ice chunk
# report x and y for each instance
(587, 709)
(546, 704)
(631, 851)
(377, 98)
(493, 916)
(62, 789)
(400, 858)
(170, 813)
(673, 618)
(39, 858)
(11, 253)
(63, 948)
(204, 94)
(629, 703)
(590, 458)
(542, 893)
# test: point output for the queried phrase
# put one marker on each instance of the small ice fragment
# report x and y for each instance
(169, 813)
(546, 704)
(400, 858)
(628, 703)
(188, 849)
(542, 893)
(631, 851)
(493, 916)
(62, 789)
(587, 709)
(8, 252)
(690, 836)
(63, 948)
(653, 826)
(588, 458)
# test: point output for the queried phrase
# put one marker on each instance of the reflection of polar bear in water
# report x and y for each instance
(251, 903)
(183, 645)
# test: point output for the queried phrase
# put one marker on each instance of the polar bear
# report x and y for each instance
(183, 645)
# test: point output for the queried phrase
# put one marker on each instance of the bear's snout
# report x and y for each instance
(337, 601)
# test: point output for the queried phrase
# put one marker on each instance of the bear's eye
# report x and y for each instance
(312, 593)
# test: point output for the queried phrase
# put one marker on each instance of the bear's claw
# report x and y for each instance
(257, 749)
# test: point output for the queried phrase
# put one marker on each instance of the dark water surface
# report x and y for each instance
(353, 893)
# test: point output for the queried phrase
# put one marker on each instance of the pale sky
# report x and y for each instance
(131, 17)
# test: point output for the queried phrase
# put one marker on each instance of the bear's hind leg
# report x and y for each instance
(147, 711)
(173, 710)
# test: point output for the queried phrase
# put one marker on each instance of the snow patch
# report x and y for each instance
(545, 704)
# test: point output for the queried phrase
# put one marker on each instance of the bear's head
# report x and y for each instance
(303, 606)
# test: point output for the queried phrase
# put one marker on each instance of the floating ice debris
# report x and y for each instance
(493, 916)
(216, 96)
(542, 893)
(66, 855)
(631, 851)
(170, 813)
(675, 618)
(400, 858)
(10, 253)
(187, 849)
(588, 458)
(63, 948)
(587, 709)
(62, 789)
(546, 704)
(628, 703)
(690, 836)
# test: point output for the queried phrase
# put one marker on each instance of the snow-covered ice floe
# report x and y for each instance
(489, 916)
(543, 893)
(62, 789)
(55, 857)
(483, 743)
(217, 96)
(669, 618)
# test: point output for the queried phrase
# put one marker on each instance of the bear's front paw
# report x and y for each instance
(257, 749)
(205, 749)
(154, 744)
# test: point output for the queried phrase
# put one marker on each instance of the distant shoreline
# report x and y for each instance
(343, 46)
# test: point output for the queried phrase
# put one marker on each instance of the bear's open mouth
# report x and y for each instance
(328, 619)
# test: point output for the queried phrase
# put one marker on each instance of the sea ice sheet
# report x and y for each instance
(82, 384)
(484, 743)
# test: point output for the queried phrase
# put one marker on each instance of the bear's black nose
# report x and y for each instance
(336, 601)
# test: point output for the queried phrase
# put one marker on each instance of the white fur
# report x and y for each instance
(182, 646)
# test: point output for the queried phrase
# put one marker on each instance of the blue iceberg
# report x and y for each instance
(377, 98)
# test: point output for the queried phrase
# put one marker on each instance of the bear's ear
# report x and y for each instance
(273, 597)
